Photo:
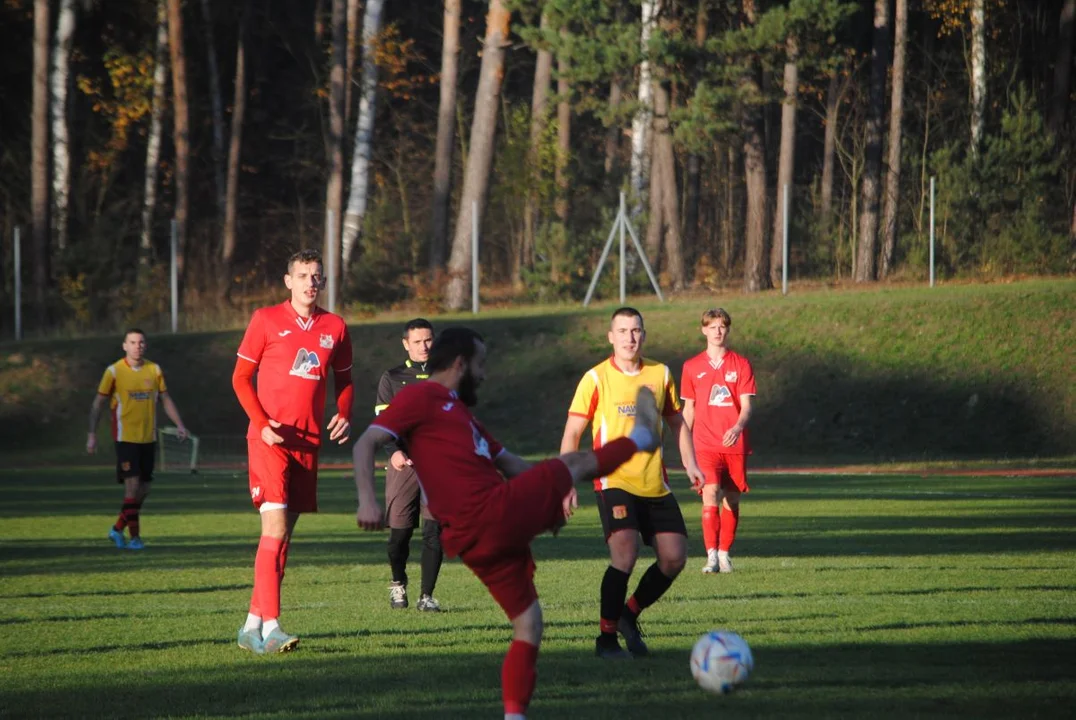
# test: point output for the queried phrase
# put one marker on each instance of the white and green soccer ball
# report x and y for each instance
(721, 661)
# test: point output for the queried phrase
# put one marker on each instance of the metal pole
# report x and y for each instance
(18, 282)
(174, 275)
(784, 251)
(642, 257)
(330, 256)
(474, 257)
(932, 231)
(623, 255)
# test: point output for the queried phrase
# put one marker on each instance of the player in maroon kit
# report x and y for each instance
(485, 520)
(717, 386)
(291, 347)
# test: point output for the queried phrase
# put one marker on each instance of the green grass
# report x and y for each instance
(895, 374)
(896, 597)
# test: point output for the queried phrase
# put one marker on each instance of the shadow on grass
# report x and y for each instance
(332, 678)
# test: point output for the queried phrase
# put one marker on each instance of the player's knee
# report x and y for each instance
(730, 500)
(399, 538)
(527, 626)
(672, 566)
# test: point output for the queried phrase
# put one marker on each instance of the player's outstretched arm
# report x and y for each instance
(369, 515)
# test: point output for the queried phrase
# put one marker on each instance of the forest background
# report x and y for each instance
(252, 124)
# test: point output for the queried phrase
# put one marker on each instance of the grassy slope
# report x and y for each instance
(906, 374)
(889, 597)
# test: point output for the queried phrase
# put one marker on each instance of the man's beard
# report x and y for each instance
(468, 389)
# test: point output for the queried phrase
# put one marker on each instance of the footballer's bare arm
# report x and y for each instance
(511, 465)
(369, 515)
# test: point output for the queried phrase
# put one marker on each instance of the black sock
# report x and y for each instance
(651, 587)
(614, 588)
(432, 555)
(399, 550)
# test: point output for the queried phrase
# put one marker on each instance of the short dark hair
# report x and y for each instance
(452, 343)
(306, 255)
(416, 324)
(626, 312)
(131, 331)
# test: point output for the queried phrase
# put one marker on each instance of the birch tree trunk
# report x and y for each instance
(217, 108)
(756, 276)
(872, 170)
(640, 124)
(1063, 67)
(978, 73)
(153, 142)
(543, 74)
(786, 164)
(480, 152)
(39, 159)
(446, 135)
(235, 145)
(896, 120)
(364, 132)
(61, 151)
(181, 130)
(334, 190)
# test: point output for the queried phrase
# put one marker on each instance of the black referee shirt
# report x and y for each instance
(392, 381)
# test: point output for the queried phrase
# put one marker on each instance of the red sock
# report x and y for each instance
(711, 526)
(518, 676)
(728, 520)
(283, 559)
(132, 517)
(614, 454)
(265, 600)
(633, 605)
(121, 521)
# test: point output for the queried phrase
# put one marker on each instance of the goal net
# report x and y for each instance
(176, 455)
(201, 454)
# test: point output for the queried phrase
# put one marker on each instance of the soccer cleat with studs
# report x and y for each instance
(116, 536)
(628, 626)
(428, 603)
(610, 649)
(711, 562)
(135, 544)
(251, 640)
(279, 641)
(397, 596)
(724, 564)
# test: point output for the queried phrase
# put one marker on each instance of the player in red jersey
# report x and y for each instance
(485, 520)
(291, 347)
(717, 386)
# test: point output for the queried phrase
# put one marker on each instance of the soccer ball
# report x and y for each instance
(720, 661)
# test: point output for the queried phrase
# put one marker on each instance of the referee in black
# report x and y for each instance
(404, 502)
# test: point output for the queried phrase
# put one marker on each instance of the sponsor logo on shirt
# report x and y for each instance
(305, 363)
(720, 396)
(447, 406)
(730, 376)
(625, 409)
(284, 333)
(139, 395)
(327, 342)
(701, 375)
(255, 492)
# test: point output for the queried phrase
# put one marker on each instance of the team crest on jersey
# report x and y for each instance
(327, 342)
(620, 512)
(720, 395)
(305, 363)
(730, 376)
(481, 447)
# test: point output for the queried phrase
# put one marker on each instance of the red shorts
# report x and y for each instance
(526, 506)
(285, 476)
(726, 470)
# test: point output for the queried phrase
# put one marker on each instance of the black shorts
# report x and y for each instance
(622, 510)
(135, 460)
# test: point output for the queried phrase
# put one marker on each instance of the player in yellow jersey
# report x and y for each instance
(131, 386)
(635, 498)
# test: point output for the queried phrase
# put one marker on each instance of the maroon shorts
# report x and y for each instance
(285, 476)
(726, 470)
(526, 506)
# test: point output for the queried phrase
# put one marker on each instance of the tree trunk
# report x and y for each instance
(786, 163)
(153, 142)
(670, 206)
(756, 276)
(896, 119)
(61, 150)
(733, 210)
(1063, 66)
(218, 109)
(39, 161)
(235, 144)
(181, 130)
(353, 7)
(872, 171)
(978, 73)
(364, 131)
(829, 145)
(640, 124)
(561, 205)
(543, 74)
(480, 153)
(655, 222)
(446, 136)
(334, 190)
(612, 133)
(693, 189)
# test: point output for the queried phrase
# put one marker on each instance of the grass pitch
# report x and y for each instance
(861, 596)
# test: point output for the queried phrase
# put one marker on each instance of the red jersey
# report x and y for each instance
(716, 386)
(292, 355)
(452, 453)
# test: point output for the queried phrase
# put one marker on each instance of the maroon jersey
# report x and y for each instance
(716, 386)
(293, 355)
(452, 453)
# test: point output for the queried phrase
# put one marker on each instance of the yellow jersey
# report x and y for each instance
(606, 397)
(133, 395)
